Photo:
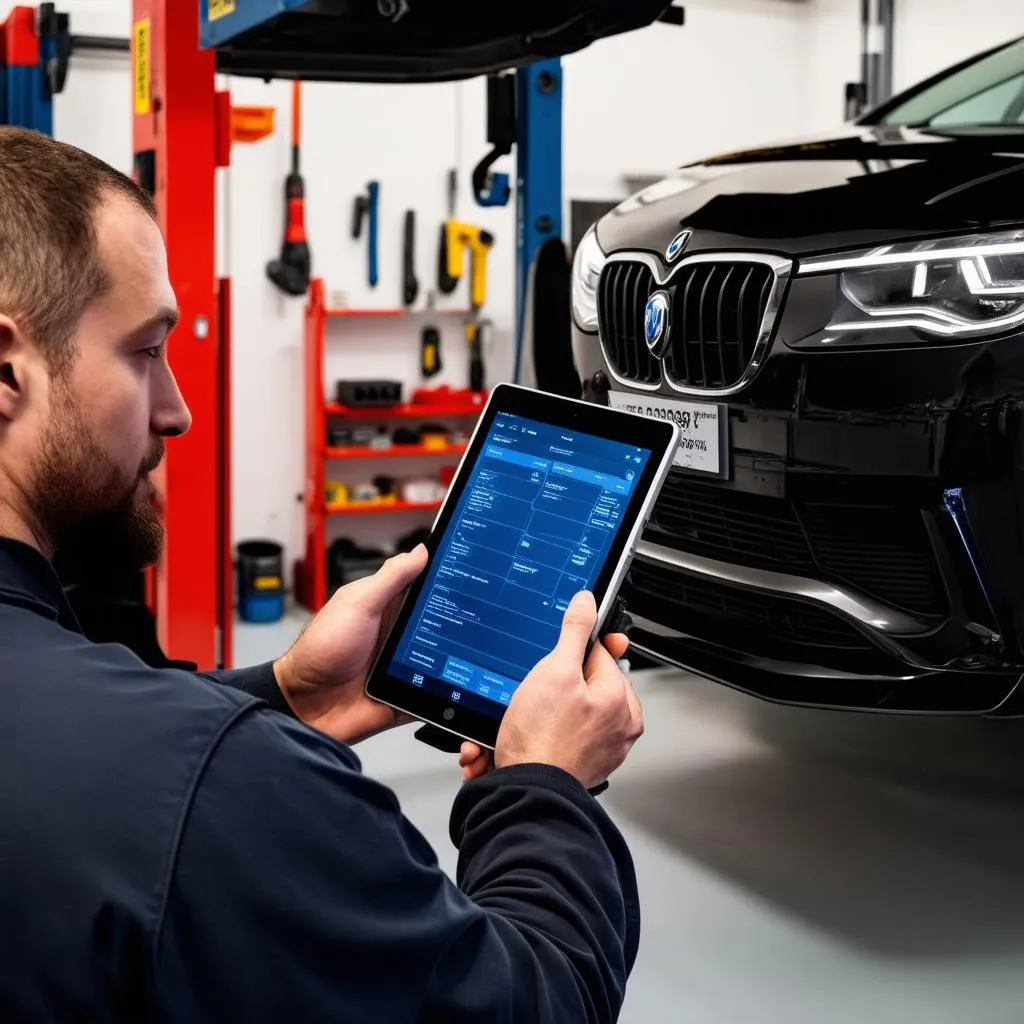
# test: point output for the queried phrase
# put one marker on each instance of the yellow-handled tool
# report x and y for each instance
(460, 237)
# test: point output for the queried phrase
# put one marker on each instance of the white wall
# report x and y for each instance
(830, 59)
(727, 79)
(739, 73)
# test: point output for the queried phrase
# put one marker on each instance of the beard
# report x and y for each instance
(99, 527)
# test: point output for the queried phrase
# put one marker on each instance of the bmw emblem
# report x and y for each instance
(677, 245)
(656, 323)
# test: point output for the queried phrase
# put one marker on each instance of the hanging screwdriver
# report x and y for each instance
(365, 208)
(446, 284)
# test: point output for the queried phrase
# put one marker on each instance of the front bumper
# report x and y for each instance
(796, 683)
(843, 663)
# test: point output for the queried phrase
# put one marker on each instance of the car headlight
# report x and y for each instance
(950, 287)
(586, 274)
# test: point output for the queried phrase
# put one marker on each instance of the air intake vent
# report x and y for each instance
(880, 550)
(758, 622)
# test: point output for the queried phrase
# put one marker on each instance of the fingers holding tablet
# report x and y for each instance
(583, 719)
(616, 644)
(474, 760)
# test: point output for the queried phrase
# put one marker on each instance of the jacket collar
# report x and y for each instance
(28, 580)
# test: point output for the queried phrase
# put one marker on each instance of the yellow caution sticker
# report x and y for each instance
(143, 67)
(267, 583)
(219, 8)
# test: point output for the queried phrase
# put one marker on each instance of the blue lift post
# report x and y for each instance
(538, 176)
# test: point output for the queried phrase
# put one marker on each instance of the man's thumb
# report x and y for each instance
(577, 625)
(378, 590)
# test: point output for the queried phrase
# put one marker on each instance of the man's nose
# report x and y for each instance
(171, 416)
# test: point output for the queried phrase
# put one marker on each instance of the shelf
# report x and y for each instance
(363, 507)
(403, 411)
(453, 408)
(396, 451)
(385, 313)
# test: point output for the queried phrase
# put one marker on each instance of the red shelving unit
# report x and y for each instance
(358, 508)
(396, 451)
(364, 314)
(423, 410)
(388, 312)
(311, 573)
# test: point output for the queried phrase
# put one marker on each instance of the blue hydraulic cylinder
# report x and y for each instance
(24, 99)
(24, 96)
(539, 175)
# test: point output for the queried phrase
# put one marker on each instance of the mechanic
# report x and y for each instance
(179, 846)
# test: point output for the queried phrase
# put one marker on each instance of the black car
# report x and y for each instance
(838, 326)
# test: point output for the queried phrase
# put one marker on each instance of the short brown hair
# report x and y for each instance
(50, 268)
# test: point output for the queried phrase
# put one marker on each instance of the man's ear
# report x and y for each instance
(14, 369)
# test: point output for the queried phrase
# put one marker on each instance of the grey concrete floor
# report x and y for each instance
(795, 866)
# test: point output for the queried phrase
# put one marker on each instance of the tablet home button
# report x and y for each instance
(449, 714)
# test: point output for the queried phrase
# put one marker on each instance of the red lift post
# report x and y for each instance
(182, 131)
(175, 146)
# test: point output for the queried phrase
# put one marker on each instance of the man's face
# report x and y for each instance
(108, 414)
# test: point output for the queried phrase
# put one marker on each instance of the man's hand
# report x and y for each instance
(582, 718)
(323, 676)
(603, 680)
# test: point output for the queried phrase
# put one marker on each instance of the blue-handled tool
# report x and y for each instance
(363, 206)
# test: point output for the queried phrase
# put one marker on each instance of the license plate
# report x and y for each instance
(704, 439)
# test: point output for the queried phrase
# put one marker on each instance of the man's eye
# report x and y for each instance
(155, 352)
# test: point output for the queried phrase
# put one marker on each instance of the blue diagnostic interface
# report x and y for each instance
(533, 525)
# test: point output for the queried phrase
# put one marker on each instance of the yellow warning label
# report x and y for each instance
(218, 8)
(143, 67)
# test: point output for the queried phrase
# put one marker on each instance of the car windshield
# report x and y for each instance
(986, 93)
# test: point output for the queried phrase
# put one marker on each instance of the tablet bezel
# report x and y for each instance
(660, 436)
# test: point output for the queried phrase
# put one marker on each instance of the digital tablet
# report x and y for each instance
(549, 499)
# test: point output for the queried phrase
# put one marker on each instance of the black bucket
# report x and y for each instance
(260, 580)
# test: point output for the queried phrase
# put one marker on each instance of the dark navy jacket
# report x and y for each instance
(172, 848)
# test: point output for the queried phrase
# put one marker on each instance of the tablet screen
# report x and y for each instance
(533, 525)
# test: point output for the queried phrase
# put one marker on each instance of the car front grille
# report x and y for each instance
(623, 294)
(758, 623)
(717, 312)
(882, 551)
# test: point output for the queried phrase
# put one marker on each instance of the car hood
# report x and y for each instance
(860, 186)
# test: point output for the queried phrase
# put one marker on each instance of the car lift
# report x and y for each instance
(183, 129)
